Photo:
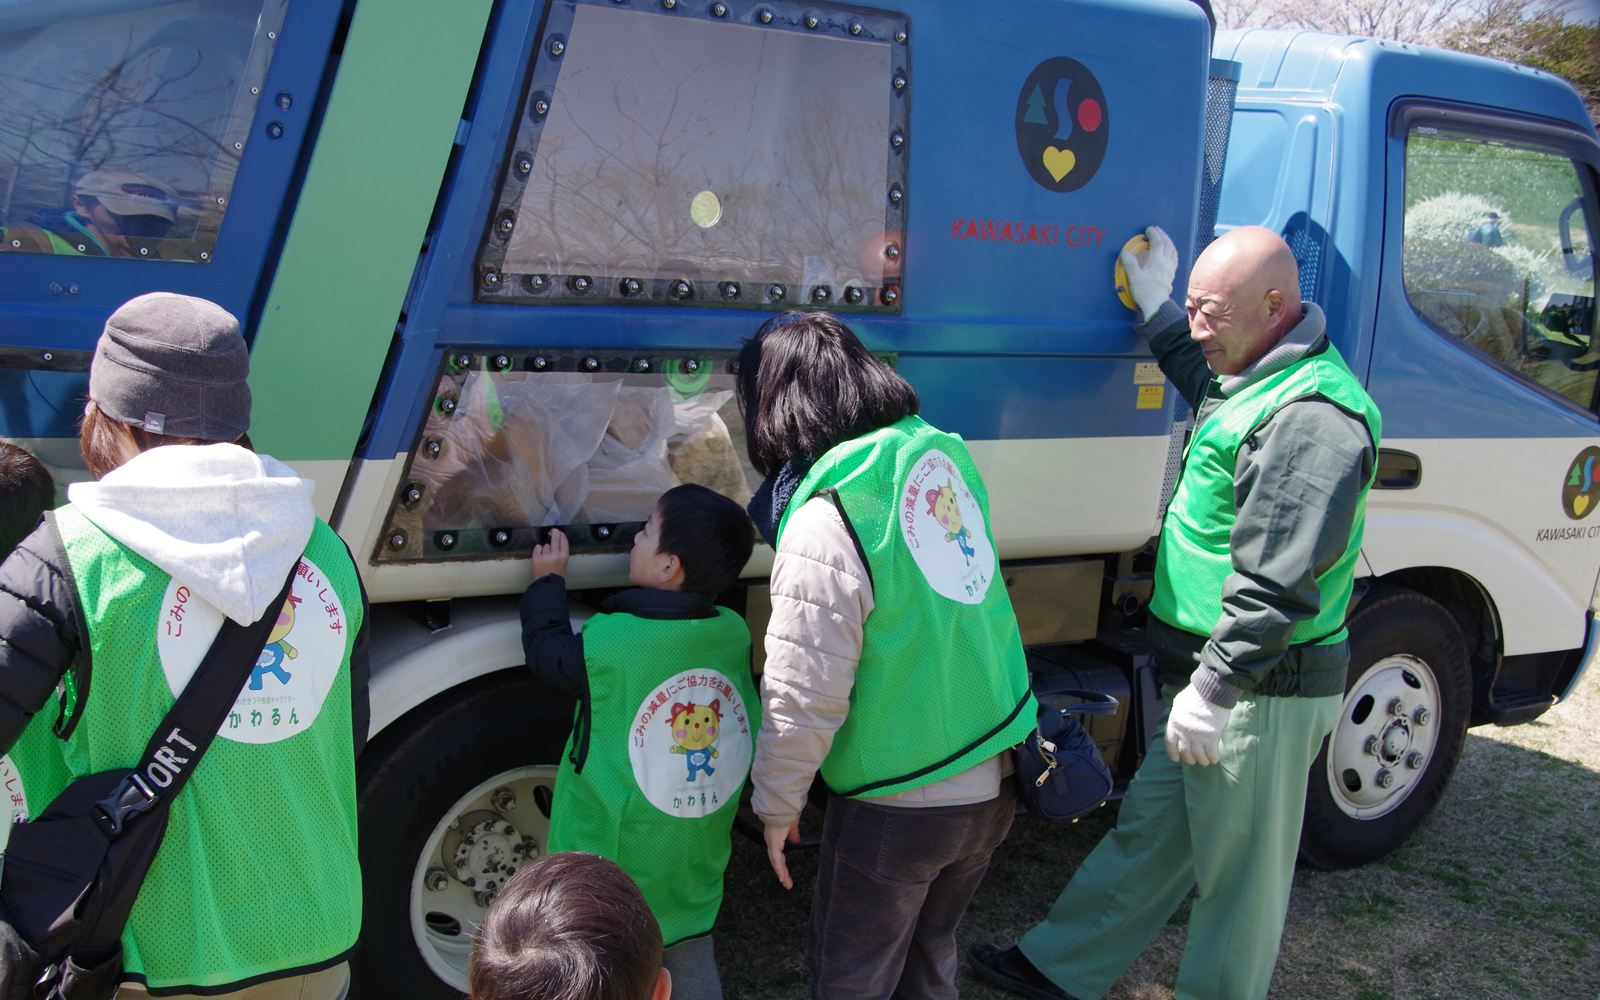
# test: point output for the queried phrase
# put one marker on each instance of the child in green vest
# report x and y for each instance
(666, 720)
(570, 926)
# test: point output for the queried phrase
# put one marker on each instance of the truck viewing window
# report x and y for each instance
(694, 154)
(1498, 252)
(589, 442)
(121, 132)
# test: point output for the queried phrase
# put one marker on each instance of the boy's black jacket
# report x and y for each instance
(555, 654)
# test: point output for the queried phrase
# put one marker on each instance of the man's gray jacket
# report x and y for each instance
(1297, 484)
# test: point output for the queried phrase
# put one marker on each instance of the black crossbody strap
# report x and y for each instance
(174, 751)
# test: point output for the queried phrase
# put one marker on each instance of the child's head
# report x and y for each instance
(696, 540)
(26, 491)
(570, 926)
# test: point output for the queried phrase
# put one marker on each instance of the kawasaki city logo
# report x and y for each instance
(1062, 123)
(1580, 494)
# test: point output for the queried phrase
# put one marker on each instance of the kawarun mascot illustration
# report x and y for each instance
(277, 649)
(694, 729)
(942, 505)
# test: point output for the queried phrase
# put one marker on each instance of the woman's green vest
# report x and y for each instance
(943, 683)
(1195, 556)
(673, 715)
(258, 874)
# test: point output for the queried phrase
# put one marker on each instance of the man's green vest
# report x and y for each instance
(943, 683)
(258, 874)
(1195, 556)
(673, 715)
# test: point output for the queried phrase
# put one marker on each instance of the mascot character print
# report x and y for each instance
(943, 527)
(293, 673)
(690, 745)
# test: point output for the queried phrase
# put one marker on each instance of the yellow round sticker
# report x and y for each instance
(1141, 247)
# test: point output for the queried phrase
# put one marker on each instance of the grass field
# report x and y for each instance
(1498, 895)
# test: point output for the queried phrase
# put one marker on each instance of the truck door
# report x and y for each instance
(1485, 367)
(143, 146)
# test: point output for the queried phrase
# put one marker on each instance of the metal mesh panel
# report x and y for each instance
(1181, 419)
(1220, 91)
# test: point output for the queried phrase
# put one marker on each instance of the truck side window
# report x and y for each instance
(674, 155)
(121, 132)
(1497, 251)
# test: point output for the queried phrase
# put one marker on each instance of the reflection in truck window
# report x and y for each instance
(1497, 252)
(121, 132)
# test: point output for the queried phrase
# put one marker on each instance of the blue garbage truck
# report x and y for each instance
(495, 259)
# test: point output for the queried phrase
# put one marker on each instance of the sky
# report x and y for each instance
(1585, 11)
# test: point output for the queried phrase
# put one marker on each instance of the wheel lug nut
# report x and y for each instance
(1421, 716)
(1397, 707)
(1414, 760)
(1384, 778)
(1370, 748)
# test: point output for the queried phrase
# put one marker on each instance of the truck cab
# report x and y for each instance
(495, 261)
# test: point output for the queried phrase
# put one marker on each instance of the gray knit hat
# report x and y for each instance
(173, 365)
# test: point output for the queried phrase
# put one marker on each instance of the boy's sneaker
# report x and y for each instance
(1011, 970)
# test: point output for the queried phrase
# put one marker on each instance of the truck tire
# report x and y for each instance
(1408, 696)
(452, 799)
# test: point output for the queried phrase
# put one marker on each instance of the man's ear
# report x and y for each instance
(663, 990)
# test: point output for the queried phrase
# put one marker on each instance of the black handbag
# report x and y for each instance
(1060, 774)
(73, 872)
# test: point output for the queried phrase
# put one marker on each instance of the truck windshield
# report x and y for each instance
(1498, 252)
(123, 122)
(683, 157)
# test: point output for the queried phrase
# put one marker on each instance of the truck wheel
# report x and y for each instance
(453, 798)
(1408, 695)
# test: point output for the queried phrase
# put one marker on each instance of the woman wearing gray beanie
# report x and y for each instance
(106, 611)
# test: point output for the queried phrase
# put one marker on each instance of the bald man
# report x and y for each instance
(1253, 578)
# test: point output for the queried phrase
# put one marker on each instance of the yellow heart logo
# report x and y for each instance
(1580, 503)
(1059, 161)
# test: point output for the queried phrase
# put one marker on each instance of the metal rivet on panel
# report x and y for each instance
(16, 243)
(433, 449)
(507, 223)
(491, 278)
(221, 200)
(48, 356)
(641, 364)
(447, 405)
(524, 164)
(534, 282)
(541, 107)
(462, 361)
(502, 362)
(691, 366)
(900, 36)
(730, 290)
(144, 251)
(899, 81)
(272, 35)
(602, 531)
(891, 295)
(765, 17)
(591, 364)
(892, 252)
(238, 145)
(680, 289)
(538, 363)
(397, 540)
(557, 46)
(855, 27)
(733, 366)
(854, 295)
(669, 4)
(719, 10)
(896, 193)
(811, 21)
(205, 255)
(821, 293)
(413, 494)
(897, 138)
(630, 286)
(579, 283)
(274, 130)
(445, 540)
(285, 100)
(500, 537)
(776, 292)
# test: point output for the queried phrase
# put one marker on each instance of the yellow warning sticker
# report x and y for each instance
(1150, 397)
(1148, 373)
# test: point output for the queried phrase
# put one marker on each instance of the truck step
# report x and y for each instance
(1513, 704)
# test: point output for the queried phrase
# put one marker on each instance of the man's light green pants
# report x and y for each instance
(1231, 828)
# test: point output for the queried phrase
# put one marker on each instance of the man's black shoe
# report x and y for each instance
(1011, 970)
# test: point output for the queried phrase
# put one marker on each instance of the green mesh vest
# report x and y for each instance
(942, 684)
(673, 717)
(258, 874)
(1195, 556)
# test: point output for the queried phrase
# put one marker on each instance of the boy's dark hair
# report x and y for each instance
(26, 491)
(710, 534)
(806, 383)
(570, 926)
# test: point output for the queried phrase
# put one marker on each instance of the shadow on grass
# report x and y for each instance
(1498, 895)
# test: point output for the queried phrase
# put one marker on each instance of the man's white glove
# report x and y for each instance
(1194, 729)
(1150, 283)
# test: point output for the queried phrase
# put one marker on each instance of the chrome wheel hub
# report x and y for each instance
(1385, 736)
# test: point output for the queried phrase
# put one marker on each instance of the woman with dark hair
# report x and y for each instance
(894, 664)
